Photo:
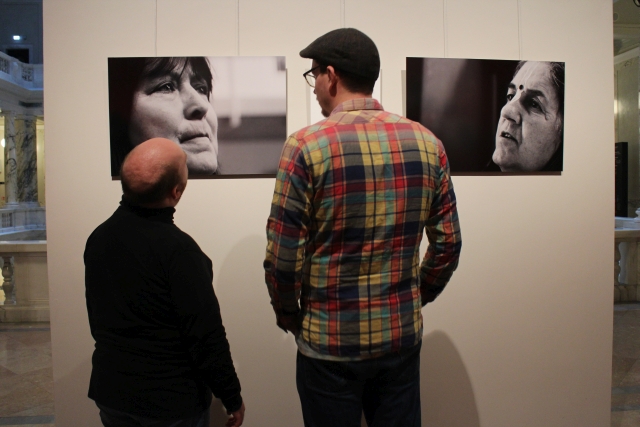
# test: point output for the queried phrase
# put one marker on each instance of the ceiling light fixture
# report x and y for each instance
(636, 2)
(17, 38)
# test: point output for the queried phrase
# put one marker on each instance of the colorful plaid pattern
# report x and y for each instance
(353, 196)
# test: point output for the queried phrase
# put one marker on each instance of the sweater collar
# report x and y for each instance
(154, 214)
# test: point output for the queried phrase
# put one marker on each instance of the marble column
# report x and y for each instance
(27, 169)
(10, 160)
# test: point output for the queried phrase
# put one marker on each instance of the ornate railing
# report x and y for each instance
(4, 65)
(21, 218)
(29, 76)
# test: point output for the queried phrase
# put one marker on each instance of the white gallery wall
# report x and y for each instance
(522, 335)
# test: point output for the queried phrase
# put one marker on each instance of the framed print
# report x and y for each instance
(491, 115)
(227, 113)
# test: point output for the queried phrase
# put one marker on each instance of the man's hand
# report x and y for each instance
(237, 417)
(289, 323)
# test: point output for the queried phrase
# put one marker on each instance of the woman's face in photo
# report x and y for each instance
(176, 106)
(530, 126)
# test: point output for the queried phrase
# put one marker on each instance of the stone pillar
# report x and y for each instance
(27, 168)
(10, 160)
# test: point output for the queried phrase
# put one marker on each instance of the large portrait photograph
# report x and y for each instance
(492, 116)
(227, 113)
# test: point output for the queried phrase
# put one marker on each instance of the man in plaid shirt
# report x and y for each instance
(354, 194)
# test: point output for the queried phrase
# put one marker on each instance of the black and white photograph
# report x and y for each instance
(227, 113)
(491, 115)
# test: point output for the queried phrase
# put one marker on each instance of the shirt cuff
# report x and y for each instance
(428, 297)
(232, 404)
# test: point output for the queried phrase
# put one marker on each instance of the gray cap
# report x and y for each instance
(348, 50)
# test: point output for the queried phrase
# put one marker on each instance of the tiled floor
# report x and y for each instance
(26, 379)
(625, 387)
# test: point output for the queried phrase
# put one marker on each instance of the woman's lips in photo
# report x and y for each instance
(507, 135)
(195, 143)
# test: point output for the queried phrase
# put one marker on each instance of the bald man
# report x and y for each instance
(161, 348)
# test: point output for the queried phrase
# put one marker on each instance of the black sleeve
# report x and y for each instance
(201, 326)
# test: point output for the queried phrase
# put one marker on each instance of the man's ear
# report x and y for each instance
(333, 79)
(176, 192)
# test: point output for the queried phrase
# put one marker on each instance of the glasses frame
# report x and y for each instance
(309, 74)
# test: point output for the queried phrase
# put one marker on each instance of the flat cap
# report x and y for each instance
(348, 50)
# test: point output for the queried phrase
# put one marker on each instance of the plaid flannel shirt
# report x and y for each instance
(354, 194)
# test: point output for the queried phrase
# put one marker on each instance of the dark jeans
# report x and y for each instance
(386, 389)
(114, 418)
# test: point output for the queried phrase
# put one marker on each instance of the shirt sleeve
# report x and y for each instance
(443, 233)
(201, 326)
(287, 230)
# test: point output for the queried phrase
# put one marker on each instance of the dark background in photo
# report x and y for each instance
(460, 100)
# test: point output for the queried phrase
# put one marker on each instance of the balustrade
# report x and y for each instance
(29, 76)
(25, 283)
(7, 284)
(625, 265)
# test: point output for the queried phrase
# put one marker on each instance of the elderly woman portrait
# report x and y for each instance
(463, 102)
(529, 136)
(163, 97)
(228, 113)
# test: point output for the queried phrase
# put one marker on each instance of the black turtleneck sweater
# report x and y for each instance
(160, 343)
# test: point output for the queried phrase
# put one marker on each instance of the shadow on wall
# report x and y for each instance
(264, 356)
(445, 387)
(82, 411)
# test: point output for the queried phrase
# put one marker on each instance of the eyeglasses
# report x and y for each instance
(309, 77)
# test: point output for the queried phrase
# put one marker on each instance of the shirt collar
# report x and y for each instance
(358, 104)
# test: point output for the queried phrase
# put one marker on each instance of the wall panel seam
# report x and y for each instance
(444, 27)
(156, 31)
(519, 30)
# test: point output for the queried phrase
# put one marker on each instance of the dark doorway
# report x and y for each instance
(21, 54)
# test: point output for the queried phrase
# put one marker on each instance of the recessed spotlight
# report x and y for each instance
(17, 38)
(636, 2)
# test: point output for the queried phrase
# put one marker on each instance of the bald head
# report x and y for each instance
(154, 173)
